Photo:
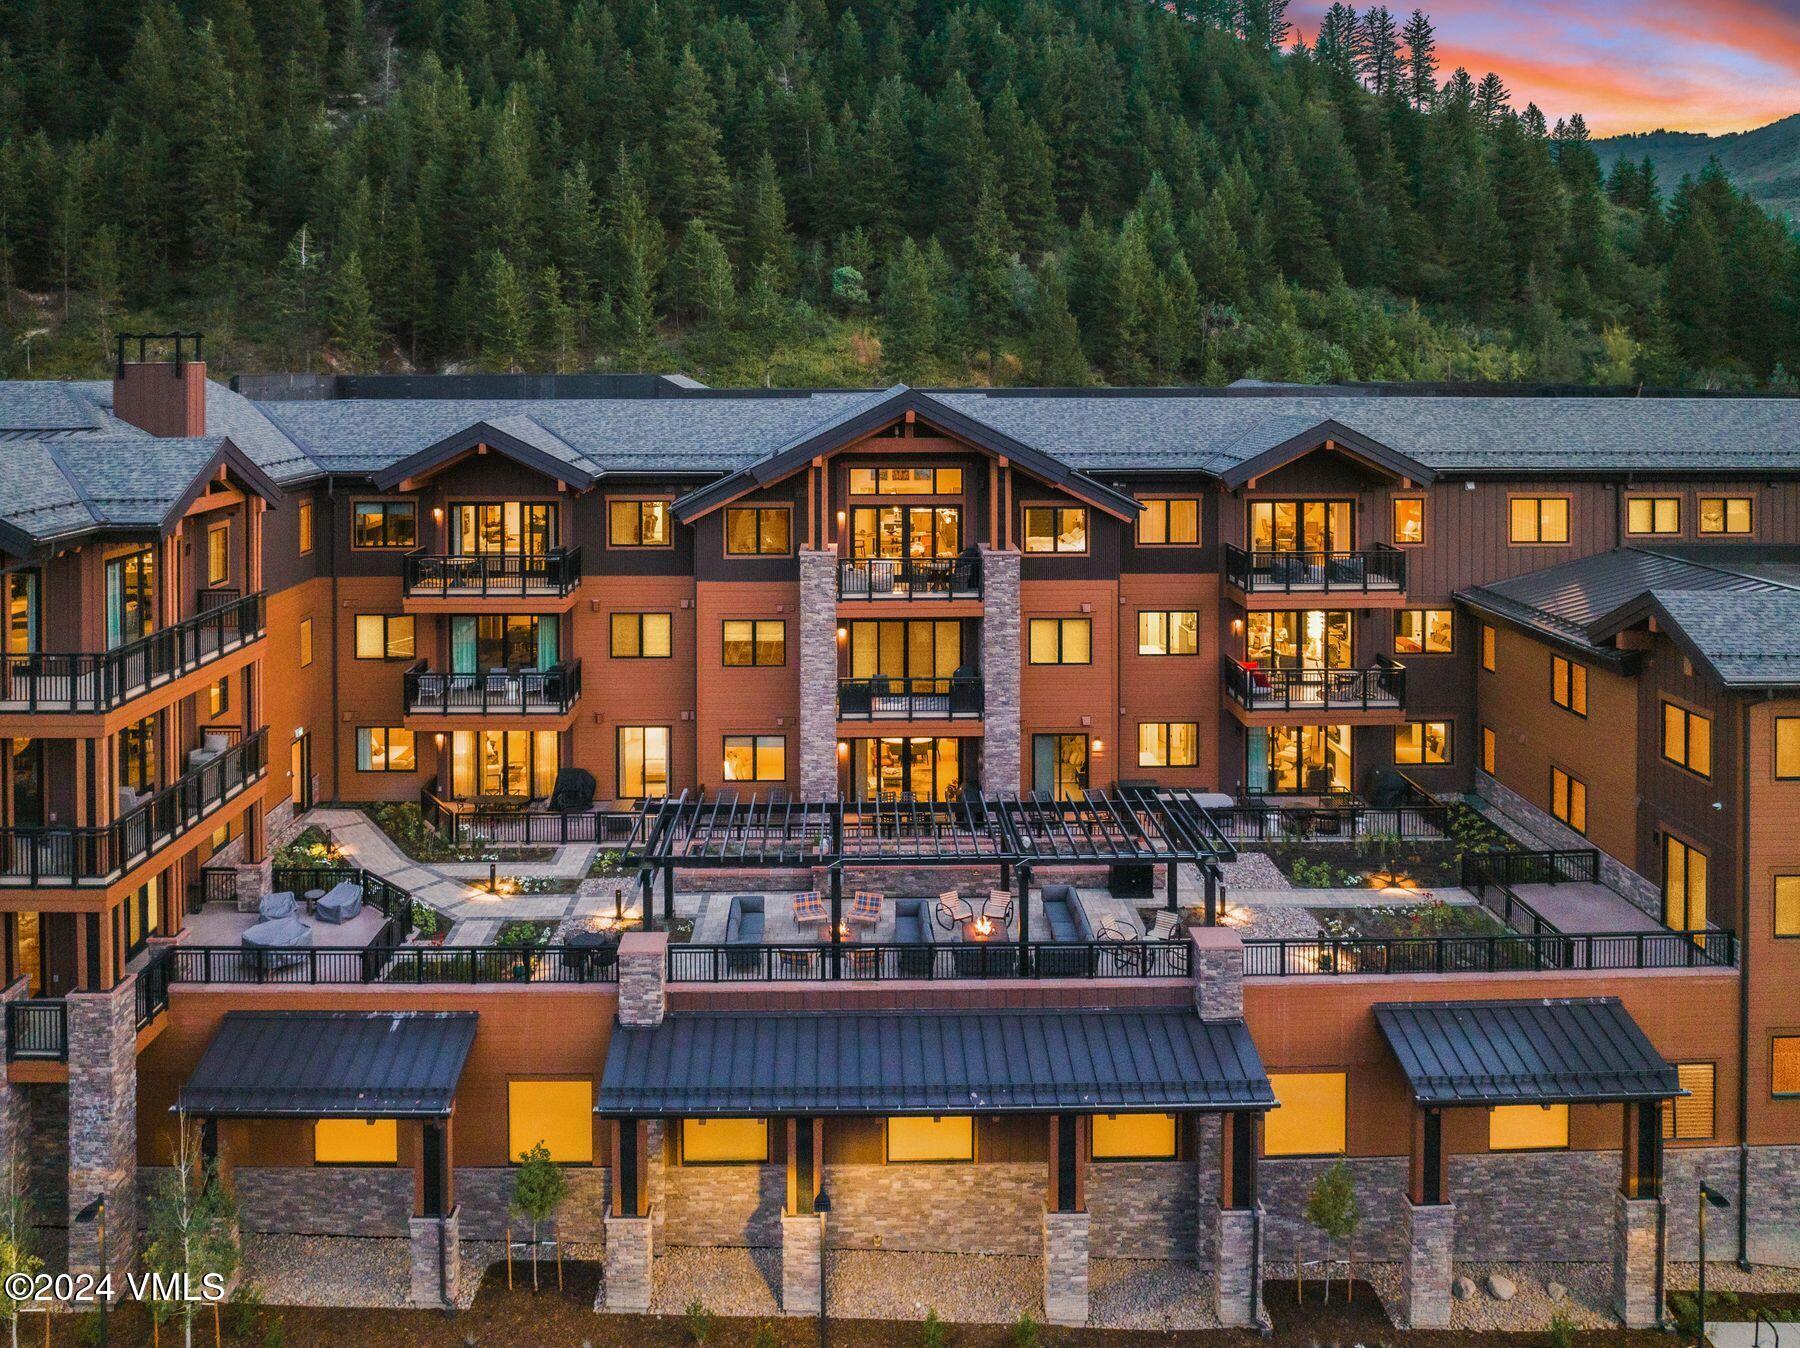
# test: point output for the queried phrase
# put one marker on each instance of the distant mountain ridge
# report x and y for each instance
(1764, 163)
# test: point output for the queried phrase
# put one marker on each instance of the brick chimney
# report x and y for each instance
(166, 397)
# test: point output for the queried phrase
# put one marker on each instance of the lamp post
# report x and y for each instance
(95, 1212)
(1709, 1198)
(822, 1206)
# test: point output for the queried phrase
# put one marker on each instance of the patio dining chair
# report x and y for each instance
(953, 909)
(1111, 929)
(865, 907)
(1166, 927)
(999, 906)
(810, 907)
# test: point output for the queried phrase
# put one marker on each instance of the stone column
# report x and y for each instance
(436, 1244)
(802, 1249)
(627, 1278)
(1426, 1274)
(15, 1124)
(818, 674)
(1065, 1268)
(1218, 954)
(643, 977)
(1237, 1266)
(1637, 1234)
(1000, 658)
(103, 1126)
(252, 881)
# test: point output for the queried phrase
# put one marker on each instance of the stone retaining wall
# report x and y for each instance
(1614, 874)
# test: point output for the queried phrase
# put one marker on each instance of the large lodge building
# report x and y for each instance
(936, 639)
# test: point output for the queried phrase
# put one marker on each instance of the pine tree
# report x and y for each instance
(100, 280)
(506, 315)
(1493, 100)
(350, 317)
(1377, 48)
(1053, 356)
(694, 181)
(1420, 67)
(1301, 250)
(911, 322)
(575, 236)
(635, 250)
(704, 284)
(555, 317)
(297, 283)
(767, 239)
(989, 271)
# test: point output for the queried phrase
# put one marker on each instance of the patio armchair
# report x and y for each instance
(342, 904)
(1166, 927)
(953, 910)
(274, 907)
(865, 907)
(998, 907)
(277, 944)
(1111, 929)
(809, 906)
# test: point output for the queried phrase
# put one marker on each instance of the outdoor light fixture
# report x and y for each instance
(1709, 1197)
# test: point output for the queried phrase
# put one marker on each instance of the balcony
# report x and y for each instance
(101, 681)
(37, 1030)
(59, 856)
(911, 578)
(892, 699)
(506, 575)
(1381, 687)
(1377, 570)
(527, 692)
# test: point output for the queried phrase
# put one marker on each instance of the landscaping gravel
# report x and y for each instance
(728, 1280)
(1253, 870)
(1588, 1304)
(1156, 1294)
(1728, 1277)
(327, 1270)
(901, 1285)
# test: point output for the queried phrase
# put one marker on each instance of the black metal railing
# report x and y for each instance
(1267, 958)
(1568, 865)
(499, 693)
(103, 680)
(382, 895)
(820, 961)
(527, 827)
(1331, 820)
(74, 856)
(882, 698)
(385, 961)
(910, 578)
(1378, 568)
(502, 574)
(1381, 687)
(153, 985)
(37, 1029)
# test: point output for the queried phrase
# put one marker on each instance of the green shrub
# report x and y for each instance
(1024, 1331)
(765, 1337)
(1562, 1329)
(699, 1322)
(403, 822)
(934, 1333)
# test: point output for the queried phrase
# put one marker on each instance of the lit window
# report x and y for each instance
(640, 636)
(1424, 631)
(1420, 742)
(559, 1114)
(749, 642)
(1787, 905)
(1409, 520)
(1488, 661)
(1168, 744)
(1653, 515)
(1725, 515)
(1540, 519)
(1787, 748)
(218, 554)
(638, 524)
(757, 531)
(385, 636)
(1685, 874)
(643, 761)
(1309, 1119)
(1689, 1118)
(1528, 1127)
(384, 524)
(906, 481)
(755, 758)
(305, 524)
(1134, 1137)
(948, 1137)
(1687, 739)
(356, 1142)
(218, 697)
(1568, 799)
(1490, 750)
(1784, 1065)
(1056, 529)
(1174, 632)
(1568, 685)
(306, 651)
(385, 749)
(1168, 520)
(1061, 641)
(724, 1141)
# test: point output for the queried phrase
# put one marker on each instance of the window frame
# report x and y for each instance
(1424, 630)
(1490, 648)
(1775, 1037)
(390, 505)
(515, 1154)
(1570, 783)
(757, 742)
(1490, 751)
(1173, 1153)
(612, 632)
(880, 470)
(1540, 501)
(887, 1147)
(768, 1136)
(1057, 510)
(1775, 906)
(1167, 615)
(1422, 761)
(1060, 641)
(1146, 511)
(1168, 759)
(218, 697)
(1775, 772)
(1394, 522)
(1724, 530)
(619, 733)
(641, 502)
(1568, 699)
(305, 639)
(1671, 1115)
(1343, 1078)
(391, 1133)
(1654, 500)
(303, 527)
(1553, 1110)
(365, 738)
(759, 510)
(387, 637)
(218, 554)
(1687, 716)
(755, 661)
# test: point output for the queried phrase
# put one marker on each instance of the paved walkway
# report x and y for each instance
(1578, 906)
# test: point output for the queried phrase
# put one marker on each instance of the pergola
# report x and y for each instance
(1122, 826)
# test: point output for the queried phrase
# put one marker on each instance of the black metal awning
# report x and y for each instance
(331, 1064)
(1576, 1051)
(747, 1065)
(1124, 824)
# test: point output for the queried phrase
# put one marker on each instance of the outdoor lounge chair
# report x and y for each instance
(274, 907)
(277, 944)
(1166, 927)
(1110, 929)
(865, 907)
(341, 905)
(998, 907)
(809, 906)
(953, 910)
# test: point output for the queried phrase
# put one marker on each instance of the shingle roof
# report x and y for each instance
(1748, 639)
(930, 1062)
(331, 1064)
(1580, 1050)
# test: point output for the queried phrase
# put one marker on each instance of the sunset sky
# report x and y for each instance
(1626, 65)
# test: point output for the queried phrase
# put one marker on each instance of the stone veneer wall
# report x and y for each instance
(723, 1204)
(986, 1208)
(1145, 1209)
(103, 1125)
(1614, 874)
(818, 674)
(1000, 623)
(483, 1192)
